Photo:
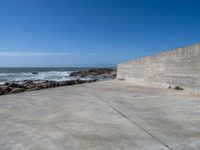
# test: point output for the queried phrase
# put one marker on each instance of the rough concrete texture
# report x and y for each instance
(178, 67)
(108, 115)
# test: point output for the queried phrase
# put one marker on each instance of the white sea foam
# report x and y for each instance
(40, 76)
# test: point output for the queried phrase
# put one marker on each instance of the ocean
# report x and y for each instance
(37, 74)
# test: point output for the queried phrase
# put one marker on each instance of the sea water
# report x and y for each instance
(36, 74)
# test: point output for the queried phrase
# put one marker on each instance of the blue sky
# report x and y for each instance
(65, 33)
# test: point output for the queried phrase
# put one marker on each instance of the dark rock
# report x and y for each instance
(53, 84)
(17, 90)
(47, 84)
(29, 85)
(34, 72)
(32, 89)
(42, 85)
(28, 82)
(7, 83)
(15, 85)
(102, 72)
(71, 82)
(62, 83)
(4, 89)
(90, 81)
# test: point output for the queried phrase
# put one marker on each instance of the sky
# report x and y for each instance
(93, 33)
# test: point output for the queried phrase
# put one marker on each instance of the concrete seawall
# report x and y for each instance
(178, 67)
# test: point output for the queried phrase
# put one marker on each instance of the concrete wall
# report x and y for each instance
(178, 67)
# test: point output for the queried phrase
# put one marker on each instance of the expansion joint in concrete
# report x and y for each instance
(133, 122)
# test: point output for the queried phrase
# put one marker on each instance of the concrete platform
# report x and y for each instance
(110, 115)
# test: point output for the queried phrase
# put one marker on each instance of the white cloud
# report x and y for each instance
(20, 54)
(29, 54)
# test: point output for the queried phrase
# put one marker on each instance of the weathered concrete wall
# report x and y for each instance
(178, 67)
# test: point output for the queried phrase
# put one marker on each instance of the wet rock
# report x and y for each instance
(34, 72)
(15, 85)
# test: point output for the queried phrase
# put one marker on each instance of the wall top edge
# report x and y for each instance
(164, 52)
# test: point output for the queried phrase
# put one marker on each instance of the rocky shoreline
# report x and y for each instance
(101, 73)
(93, 75)
(12, 87)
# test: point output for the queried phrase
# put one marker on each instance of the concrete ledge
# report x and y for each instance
(108, 115)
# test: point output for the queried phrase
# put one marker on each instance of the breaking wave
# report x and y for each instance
(36, 76)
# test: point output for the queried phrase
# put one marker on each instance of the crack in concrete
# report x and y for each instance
(133, 122)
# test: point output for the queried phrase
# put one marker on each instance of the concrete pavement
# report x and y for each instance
(108, 115)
